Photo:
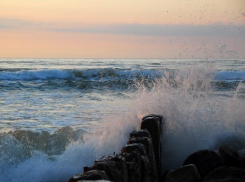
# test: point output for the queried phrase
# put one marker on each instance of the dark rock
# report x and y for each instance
(226, 174)
(122, 165)
(186, 173)
(115, 166)
(147, 142)
(230, 157)
(204, 160)
(111, 168)
(141, 133)
(134, 172)
(86, 168)
(138, 167)
(153, 124)
(90, 175)
(135, 146)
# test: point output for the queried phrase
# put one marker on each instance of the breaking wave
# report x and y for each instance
(92, 74)
(196, 115)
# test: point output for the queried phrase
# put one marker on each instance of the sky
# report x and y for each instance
(204, 29)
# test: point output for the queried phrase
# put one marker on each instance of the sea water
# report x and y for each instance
(58, 115)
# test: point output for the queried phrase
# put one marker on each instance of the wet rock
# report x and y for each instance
(230, 157)
(115, 167)
(186, 173)
(140, 133)
(135, 146)
(226, 174)
(111, 168)
(90, 175)
(86, 169)
(147, 142)
(121, 161)
(204, 160)
(153, 124)
(134, 171)
(138, 167)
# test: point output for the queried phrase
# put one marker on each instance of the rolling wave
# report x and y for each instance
(47, 74)
(106, 78)
(105, 73)
(28, 141)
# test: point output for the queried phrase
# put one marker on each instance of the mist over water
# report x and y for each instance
(203, 108)
(196, 116)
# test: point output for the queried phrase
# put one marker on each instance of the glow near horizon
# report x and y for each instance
(122, 29)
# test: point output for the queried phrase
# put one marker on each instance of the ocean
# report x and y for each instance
(59, 115)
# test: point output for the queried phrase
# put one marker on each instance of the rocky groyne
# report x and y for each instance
(140, 161)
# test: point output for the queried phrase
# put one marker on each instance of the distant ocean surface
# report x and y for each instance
(58, 115)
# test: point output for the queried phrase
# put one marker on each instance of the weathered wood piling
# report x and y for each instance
(140, 161)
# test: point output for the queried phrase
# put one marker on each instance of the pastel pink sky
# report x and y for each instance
(122, 29)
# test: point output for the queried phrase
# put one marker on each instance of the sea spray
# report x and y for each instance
(43, 166)
(195, 117)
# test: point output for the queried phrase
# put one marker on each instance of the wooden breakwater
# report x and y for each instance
(140, 161)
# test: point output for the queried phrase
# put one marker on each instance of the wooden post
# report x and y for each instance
(153, 123)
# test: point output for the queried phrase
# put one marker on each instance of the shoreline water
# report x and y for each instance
(41, 119)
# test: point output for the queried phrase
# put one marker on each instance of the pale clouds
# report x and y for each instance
(159, 30)
(12, 23)
(134, 29)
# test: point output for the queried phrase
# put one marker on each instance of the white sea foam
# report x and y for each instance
(196, 118)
